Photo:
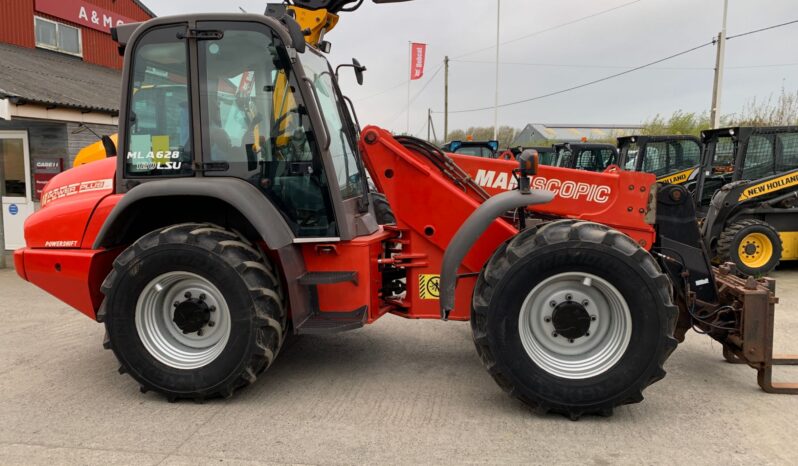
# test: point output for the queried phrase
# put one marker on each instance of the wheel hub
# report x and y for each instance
(192, 315)
(575, 325)
(750, 249)
(183, 320)
(571, 320)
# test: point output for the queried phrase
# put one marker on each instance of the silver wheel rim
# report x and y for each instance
(162, 337)
(607, 337)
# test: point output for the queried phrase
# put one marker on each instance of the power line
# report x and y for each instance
(558, 26)
(631, 70)
(586, 66)
(418, 94)
(762, 29)
(536, 33)
(580, 86)
(403, 83)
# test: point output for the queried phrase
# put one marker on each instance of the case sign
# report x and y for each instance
(43, 171)
(82, 13)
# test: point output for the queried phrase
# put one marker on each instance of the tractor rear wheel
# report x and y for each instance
(193, 311)
(574, 318)
(753, 245)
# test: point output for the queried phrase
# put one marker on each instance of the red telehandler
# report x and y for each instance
(225, 223)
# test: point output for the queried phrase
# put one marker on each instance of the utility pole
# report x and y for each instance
(446, 100)
(429, 124)
(409, 80)
(498, 39)
(719, 63)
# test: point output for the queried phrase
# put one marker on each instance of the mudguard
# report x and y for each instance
(263, 215)
(470, 232)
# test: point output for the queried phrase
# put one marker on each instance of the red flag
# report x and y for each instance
(418, 57)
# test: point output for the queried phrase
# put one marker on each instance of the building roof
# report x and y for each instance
(141, 5)
(576, 132)
(56, 80)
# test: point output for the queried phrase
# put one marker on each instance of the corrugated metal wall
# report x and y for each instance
(16, 27)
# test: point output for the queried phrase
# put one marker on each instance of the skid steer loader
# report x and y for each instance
(673, 159)
(751, 177)
(585, 156)
(216, 230)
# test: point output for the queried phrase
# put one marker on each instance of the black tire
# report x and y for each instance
(733, 237)
(244, 278)
(537, 254)
(382, 209)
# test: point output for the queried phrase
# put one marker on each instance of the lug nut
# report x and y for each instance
(211, 323)
(587, 334)
(177, 303)
(585, 303)
(547, 319)
(212, 309)
(593, 318)
(570, 340)
(568, 297)
(187, 295)
(202, 297)
(553, 303)
(554, 334)
(199, 333)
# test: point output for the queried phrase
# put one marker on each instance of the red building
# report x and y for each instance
(60, 79)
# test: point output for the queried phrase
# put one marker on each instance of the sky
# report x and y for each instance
(544, 57)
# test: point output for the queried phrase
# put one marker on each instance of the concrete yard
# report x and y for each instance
(396, 392)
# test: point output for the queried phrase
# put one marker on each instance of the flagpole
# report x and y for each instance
(498, 43)
(409, 80)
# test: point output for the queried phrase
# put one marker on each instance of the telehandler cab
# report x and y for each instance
(220, 228)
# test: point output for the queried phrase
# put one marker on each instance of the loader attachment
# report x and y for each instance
(752, 342)
(737, 312)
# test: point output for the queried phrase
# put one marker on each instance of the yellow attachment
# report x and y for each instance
(755, 250)
(789, 239)
(319, 22)
(92, 152)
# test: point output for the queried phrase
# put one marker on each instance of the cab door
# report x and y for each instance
(15, 186)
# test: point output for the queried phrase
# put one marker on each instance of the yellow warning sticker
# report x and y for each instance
(429, 286)
(677, 178)
(770, 186)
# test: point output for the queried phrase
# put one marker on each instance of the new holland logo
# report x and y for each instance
(599, 194)
(770, 186)
(677, 178)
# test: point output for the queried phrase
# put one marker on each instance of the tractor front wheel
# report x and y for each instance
(573, 317)
(193, 311)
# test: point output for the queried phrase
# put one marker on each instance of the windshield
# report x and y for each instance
(476, 151)
(342, 148)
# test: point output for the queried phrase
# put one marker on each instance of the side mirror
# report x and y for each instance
(527, 167)
(359, 69)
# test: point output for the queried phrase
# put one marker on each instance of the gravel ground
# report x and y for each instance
(396, 392)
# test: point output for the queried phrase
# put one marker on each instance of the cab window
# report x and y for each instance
(255, 126)
(789, 151)
(662, 158)
(724, 154)
(476, 151)
(342, 148)
(760, 158)
(158, 139)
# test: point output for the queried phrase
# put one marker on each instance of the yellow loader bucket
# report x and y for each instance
(92, 152)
